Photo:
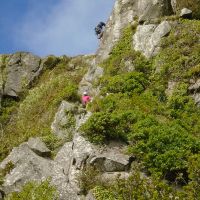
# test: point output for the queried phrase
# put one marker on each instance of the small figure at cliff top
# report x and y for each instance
(99, 29)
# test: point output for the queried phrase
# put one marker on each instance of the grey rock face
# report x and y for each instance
(28, 166)
(194, 89)
(124, 14)
(153, 9)
(186, 13)
(62, 124)
(111, 162)
(94, 72)
(147, 38)
(171, 87)
(21, 70)
(37, 146)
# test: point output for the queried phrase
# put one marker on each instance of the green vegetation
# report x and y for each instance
(161, 131)
(191, 4)
(35, 191)
(33, 115)
(9, 166)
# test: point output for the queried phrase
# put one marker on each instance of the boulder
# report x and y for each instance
(28, 166)
(21, 69)
(152, 9)
(39, 147)
(193, 5)
(64, 121)
(147, 38)
(111, 162)
(186, 13)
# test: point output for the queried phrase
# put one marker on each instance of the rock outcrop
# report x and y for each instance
(126, 12)
(20, 71)
(147, 38)
(31, 163)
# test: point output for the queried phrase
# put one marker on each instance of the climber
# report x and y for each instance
(99, 29)
(85, 98)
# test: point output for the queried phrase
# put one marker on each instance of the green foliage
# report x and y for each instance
(135, 187)
(88, 178)
(164, 148)
(162, 131)
(104, 126)
(134, 82)
(35, 191)
(8, 106)
(180, 51)
(53, 143)
(123, 58)
(9, 166)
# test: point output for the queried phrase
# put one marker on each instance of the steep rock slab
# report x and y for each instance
(62, 125)
(123, 14)
(94, 72)
(152, 9)
(147, 38)
(21, 70)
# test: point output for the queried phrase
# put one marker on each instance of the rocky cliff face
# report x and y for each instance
(17, 72)
(32, 159)
(126, 12)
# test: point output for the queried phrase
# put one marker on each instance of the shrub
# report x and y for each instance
(35, 191)
(88, 179)
(134, 82)
(165, 148)
(104, 126)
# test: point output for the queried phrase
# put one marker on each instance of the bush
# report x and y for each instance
(88, 179)
(104, 126)
(134, 82)
(35, 191)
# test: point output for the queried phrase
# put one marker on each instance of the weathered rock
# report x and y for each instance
(153, 9)
(111, 162)
(192, 5)
(110, 177)
(39, 147)
(90, 196)
(94, 72)
(147, 38)
(64, 121)
(196, 98)
(170, 88)
(28, 166)
(186, 13)
(194, 89)
(124, 14)
(21, 70)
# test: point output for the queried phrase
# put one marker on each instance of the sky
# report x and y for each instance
(45, 27)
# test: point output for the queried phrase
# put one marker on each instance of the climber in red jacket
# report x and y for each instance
(85, 98)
